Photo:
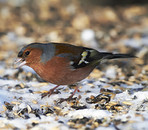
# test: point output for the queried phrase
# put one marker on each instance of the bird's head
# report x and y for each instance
(29, 55)
(35, 53)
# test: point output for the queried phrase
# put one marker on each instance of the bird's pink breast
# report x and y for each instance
(59, 72)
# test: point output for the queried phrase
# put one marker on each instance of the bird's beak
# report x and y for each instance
(19, 62)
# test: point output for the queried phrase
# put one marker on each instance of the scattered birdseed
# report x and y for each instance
(116, 91)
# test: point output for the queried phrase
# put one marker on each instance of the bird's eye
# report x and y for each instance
(27, 52)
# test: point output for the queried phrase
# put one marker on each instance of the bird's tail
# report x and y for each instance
(107, 55)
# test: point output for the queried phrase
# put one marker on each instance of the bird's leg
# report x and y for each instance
(70, 97)
(50, 92)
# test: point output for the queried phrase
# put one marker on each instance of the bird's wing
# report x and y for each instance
(78, 56)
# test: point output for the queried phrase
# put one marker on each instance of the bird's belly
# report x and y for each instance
(63, 75)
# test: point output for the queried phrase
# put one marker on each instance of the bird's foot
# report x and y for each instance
(49, 93)
(70, 98)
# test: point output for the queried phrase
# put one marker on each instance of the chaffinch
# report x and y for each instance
(63, 64)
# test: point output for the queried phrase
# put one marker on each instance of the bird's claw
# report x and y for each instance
(70, 98)
(49, 93)
(45, 94)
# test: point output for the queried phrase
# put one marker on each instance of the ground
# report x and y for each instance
(114, 96)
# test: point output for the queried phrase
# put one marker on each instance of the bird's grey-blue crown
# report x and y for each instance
(48, 50)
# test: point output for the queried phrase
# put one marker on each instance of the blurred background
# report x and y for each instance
(106, 25)
(119, 26)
